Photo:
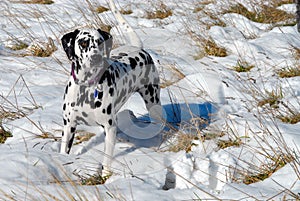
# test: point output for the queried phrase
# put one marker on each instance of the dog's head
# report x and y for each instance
(87, 46)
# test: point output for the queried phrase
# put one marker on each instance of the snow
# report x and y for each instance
(143, 168)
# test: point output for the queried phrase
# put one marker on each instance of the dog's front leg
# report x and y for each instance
(67, 139)
(110, 140)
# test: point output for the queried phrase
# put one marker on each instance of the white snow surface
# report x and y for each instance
(31, 167)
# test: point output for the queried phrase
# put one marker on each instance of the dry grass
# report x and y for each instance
(4, 134)
(295, 52)
(92, 180)
(216, 20)
(289, 72)
(212, 49)
(200, 6)
(272, 98)
(37, 1)
(290, 118)
(277, 3)
(266, 14)
(101, 9)
(176, 75)
(242, 66)
(126, 11)
(283, 111)
(222, 144)
(39, 49)
(4, 114)
(264, 172)
(207, 47)
(44, 50)
(184, 141)
(160, 13)
(83, 136)
(19, 45)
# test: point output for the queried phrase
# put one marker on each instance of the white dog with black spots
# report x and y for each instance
(100, 84)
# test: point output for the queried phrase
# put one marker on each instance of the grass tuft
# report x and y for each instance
(201, 5)
(184, 141)
(289, 72)
(93, 180)
(44, 50)
(126, 12)
(212, 49)
(222, 144)
(290, 118)
(38, 2)
(267, 170)
(4, 134)
(19, 45)
(101, 9)
(242, 66)
(82, 136)
(277, 3)
(161, 13)
(266, 14)
(271, 98)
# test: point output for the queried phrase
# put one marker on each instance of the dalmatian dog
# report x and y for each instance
(99, 84)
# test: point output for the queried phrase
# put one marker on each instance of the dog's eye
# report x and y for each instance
(83, 44)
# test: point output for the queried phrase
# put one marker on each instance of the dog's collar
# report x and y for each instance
(94, 79)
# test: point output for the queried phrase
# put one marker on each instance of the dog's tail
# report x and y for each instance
(128, 32)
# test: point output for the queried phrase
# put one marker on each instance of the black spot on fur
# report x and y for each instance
(73, 129)
(70, 84)
(109, 77)
(123, 54)
(117, 74)
(115, 58)
(65, 122)
(73, 104)
(64, 107)
(152, 99)
(110, 122)
(111, 91)
(141, 64)
(98, 104)
(142, 55)
(109, 109)
(100, 95)
(151, 89)
(133, 63)
(103, 111)
(70, 143)
(66, 91)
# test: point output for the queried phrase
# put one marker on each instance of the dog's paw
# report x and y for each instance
(106, 173)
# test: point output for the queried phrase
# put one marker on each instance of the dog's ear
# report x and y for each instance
(68, 43)
(108, 41)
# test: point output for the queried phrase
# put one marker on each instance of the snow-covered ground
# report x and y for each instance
(31, 167)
